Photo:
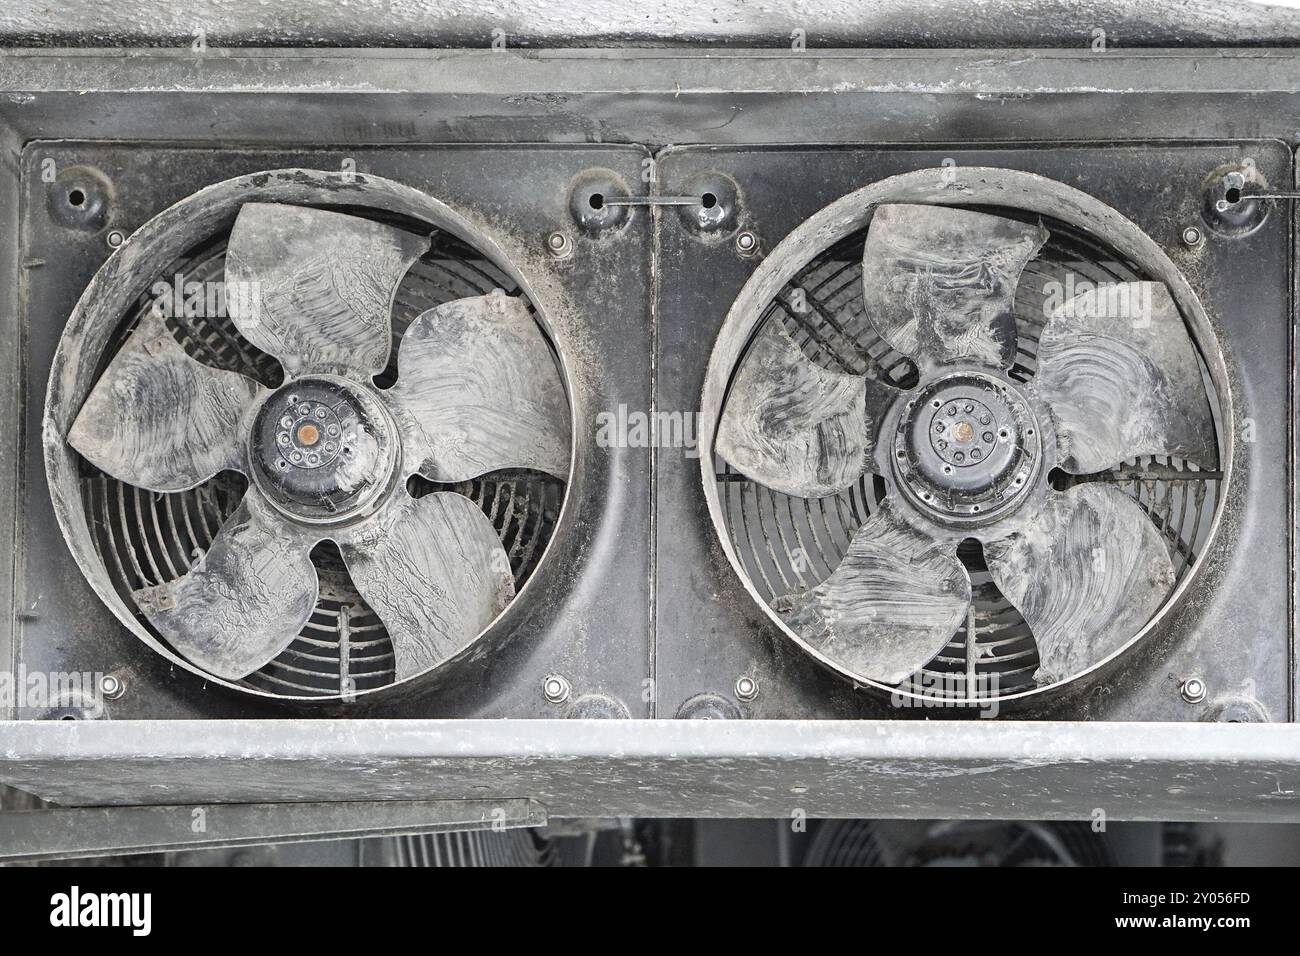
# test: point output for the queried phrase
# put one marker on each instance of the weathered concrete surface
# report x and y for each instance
(865, 23)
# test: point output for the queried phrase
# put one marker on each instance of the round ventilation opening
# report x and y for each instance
(892, 469)
(389, 457)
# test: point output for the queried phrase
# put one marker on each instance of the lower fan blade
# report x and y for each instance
(478, 390)
(315, 288)
(435, 572)
(1120, 374)
(1087, 573)
(940, 282)
(796, 427)
(245, 600)
(160, 420)
(892, 604)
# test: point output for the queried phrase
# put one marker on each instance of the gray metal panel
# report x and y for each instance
(66, 628)
(985, 769)
(87, 832)
(657, 97)
(1229, 632)
(877, 768)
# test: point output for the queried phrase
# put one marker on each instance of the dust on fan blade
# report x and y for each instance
(1121, 377)
(890, 606)
(796, 427)
(321, 287)
(939, 282)
(478, 391)
(244, 601)
(436, 577)
(1087, 571)
(315, 288)
(160, 420)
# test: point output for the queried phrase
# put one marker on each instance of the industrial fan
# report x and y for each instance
(328, 453)
(969, 454)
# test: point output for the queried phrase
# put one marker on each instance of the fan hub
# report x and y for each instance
(967, 447)
(323, 449)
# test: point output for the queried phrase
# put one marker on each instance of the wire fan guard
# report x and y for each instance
(788, 544)
(147, 538)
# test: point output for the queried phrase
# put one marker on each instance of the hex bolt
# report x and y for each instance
(1192, 236)
(556, 689)
(1193, 690)
(746, 243)
(746, 688)
(559, 245)
(112, 686)
(115, 238)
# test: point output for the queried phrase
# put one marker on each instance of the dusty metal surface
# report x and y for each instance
(63, 834)
(869, 23)
(593, 353)
(1187, 644)
(679, 768)
(657, 98)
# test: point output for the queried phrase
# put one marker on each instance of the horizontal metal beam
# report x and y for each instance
(678, 72)
(905, 768)
(64, 834)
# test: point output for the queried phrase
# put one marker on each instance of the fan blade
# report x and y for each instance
(315, 288)
(244, 601)
(478, 390)
(1087, 573)
(160, 420)
(1120, 374)
(892, 604)
(796, 427)
(940, 282)
(436, 574)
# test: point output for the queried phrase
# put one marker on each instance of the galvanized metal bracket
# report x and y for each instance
(72, 833)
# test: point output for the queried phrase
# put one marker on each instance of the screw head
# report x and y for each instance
(111, 686)
(746, 243)
(746, 688)
(115, 238)
(559, 245)
(1193, 690)
(556, 689)
(1192, 236)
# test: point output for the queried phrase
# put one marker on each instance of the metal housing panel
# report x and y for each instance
(520, 195)
(1229, 631)
(940, 99)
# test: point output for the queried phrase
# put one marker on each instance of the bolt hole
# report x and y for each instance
(1233, 195)
(76, 197)
(596, 201)
(708, 200)
(68, 717)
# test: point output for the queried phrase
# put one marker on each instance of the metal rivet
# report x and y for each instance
(1192, 236)
(746, 243)
(556, 689)
(1193, 690)
(115, 238)
(559, 245)
(112, 686)
(746, 688)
